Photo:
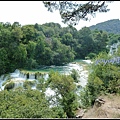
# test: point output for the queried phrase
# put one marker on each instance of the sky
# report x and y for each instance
(31, 12)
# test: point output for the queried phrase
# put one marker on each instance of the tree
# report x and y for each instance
(64, 87)
(67, 39)
(104, 78)
(16, 34)
(86, 41)
(100, 40)
(75, 75)
(20, 56)
(71, 12)
(29, 33)
(3, 60)
(20, 103)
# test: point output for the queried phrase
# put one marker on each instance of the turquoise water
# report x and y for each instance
(61, 69)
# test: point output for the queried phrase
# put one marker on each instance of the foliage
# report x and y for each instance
(47, 44)
(72, 12)
(104, 78)
(41, 84)
(91, 55)
(32, 46)
(29, 103)
(28, 83)
(65, 90)
(110, 26)
(75, 75)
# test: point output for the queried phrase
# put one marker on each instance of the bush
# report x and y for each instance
(104, 78)
(91, 55)
(28, 83)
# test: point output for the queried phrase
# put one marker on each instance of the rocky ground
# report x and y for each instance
(106, 106)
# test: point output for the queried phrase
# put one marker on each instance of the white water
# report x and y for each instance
(83, 77)
(114, 48)
(19, 77)
(3, 79)
(88, 61)
(32, 76)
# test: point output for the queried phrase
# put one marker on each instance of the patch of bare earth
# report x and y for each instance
(106, 106)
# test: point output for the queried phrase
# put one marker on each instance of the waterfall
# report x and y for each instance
(32, 76)
(18, 84)
(18, 74)
(46, 76)
(33, 87)
(74, 66)
(111, 51)
(114, 48)
(83, 78)
(19, 77)
(3, 78)
(17, 71)
(22, 75)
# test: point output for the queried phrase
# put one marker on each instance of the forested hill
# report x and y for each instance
(111, 26)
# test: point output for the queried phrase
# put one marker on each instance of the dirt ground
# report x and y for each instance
(109, 109)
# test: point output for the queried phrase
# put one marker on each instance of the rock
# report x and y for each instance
(80, 113)
(99, 102)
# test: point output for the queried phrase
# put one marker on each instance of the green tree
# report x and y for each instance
(17, 34)
(75, 75)
(63, 54)
(20, 103)
(29, 33)
(67, 39)
(3, 61)
(104, 78)
(64, 86)
(86, 42)
(100, 41)
(39, 51)
(20, 56)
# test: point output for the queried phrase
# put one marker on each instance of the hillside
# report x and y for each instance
(109, 109)
(111, 26)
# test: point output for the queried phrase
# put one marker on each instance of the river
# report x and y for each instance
(18, 78)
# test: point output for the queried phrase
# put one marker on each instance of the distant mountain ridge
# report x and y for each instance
(111, 26)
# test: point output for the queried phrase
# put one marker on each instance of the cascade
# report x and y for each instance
(46, 76)
(32, 76)
(18, 84)
(114, 48)
(15, 73)
(22, 75)
(3, 78)
(111, 51)
(19, 77)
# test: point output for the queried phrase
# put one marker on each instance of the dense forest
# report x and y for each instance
(110, 26)
(31, 46)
